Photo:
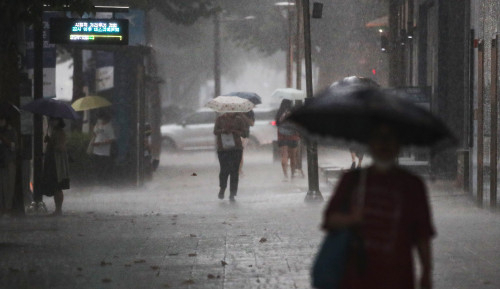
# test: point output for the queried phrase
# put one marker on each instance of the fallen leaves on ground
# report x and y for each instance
(192, 235)
(140, 261)
(263, 240)
(192, 254)
(104, 263)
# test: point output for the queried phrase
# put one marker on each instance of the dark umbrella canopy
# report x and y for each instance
(51, 107)
(8, 109)
(351, 113)
(252, 96)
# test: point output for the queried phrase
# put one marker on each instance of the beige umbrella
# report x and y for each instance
(230, 104)
(90, 102)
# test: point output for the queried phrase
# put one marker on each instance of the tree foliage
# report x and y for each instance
(185, 12)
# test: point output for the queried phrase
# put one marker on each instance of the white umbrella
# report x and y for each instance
(289, 93)
(230, 104)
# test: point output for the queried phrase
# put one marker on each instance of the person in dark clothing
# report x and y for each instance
(229, 127)
(288, 139)
(392, 216)
(55, 174)
(8, 150)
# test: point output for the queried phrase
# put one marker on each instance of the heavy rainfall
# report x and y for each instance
(249, 144)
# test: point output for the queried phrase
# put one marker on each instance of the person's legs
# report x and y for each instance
(284, 160)
(58, 200)
(353, 158)
(11, 184)
(292, 153)
(4, 179)
(234, 162)
(223, 173)
(360, 159)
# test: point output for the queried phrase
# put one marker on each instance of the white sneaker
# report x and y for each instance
(41, 208)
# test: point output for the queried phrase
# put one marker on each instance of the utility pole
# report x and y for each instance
(313, 194)
(38, 94)
(217, 54)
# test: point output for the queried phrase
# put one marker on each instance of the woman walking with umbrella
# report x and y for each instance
(383, 209)
(229, 128)
(288, 139)
(55, 164)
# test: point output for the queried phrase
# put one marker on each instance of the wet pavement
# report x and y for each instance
(175, 233)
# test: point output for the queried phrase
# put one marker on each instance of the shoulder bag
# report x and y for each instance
(330, 262)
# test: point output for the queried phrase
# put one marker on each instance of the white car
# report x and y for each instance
(195, 131)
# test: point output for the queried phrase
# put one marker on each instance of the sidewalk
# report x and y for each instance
(175, 233)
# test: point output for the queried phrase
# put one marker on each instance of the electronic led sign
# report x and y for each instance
(89, 31)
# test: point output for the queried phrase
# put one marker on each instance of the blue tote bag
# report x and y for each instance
(330, 262)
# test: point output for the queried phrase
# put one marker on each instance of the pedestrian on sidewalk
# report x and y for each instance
(229, 127)
(101, 147)
(357, 151)
(8, 152)
(288, 139)
(55, 174)
(392, 218)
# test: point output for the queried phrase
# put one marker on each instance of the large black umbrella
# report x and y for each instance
(350, 114)
(252, 96)
(7, 109)
(51, 107)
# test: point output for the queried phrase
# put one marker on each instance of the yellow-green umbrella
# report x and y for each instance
(90, 102)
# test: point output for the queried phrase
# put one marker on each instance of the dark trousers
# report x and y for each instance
(103, 169)
(229, 167)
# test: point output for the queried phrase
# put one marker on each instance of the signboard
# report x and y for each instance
(49, 56)
(89, 31)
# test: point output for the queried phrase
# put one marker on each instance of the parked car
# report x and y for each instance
(195, 130)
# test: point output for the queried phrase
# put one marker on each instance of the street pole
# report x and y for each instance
(289, 51)
(37, 118)
(313, 194)
(217, 88)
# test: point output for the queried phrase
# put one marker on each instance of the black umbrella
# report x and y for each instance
(7, 109)
(350, 113)
(51, 107)
(252, 96)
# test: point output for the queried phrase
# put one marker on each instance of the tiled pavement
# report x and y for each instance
(175, 233)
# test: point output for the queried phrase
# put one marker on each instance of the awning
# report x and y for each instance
(379, 22)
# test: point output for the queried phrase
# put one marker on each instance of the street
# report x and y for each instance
(175, 233)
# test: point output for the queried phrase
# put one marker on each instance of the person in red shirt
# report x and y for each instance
(392, 219)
